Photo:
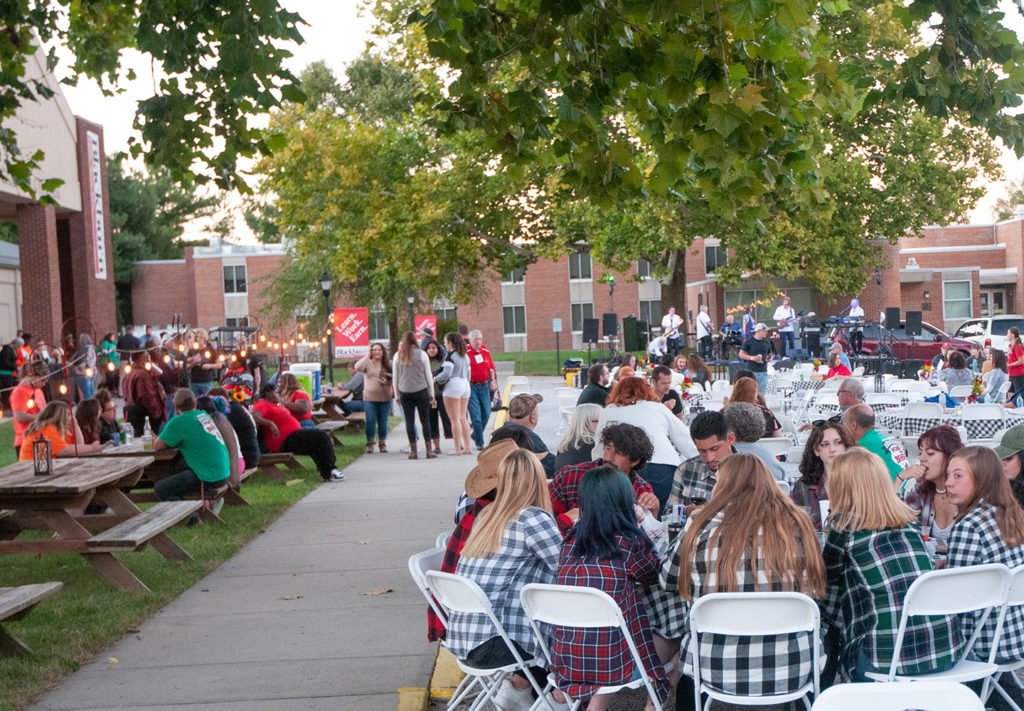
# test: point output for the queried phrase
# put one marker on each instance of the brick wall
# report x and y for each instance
(208, 285)
(160, 290)
(41, 301)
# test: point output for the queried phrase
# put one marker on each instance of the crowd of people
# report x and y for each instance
(858, 527)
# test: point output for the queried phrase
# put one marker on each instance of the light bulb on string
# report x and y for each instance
(263, 338)
(206, 354)
(181, 347)
(110, 366)
(292, 342)
(32, 402)
(242, 354)
(148, 366)
(233, 358)
(88, 372)
(62, 389)
(195, 345)
(127, 369)
(167, 359)
(221, 358)
(324, 339)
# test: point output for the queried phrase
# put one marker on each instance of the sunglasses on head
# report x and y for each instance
(834, 420)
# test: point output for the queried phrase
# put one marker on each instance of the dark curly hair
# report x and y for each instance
(630, 441)
(811, 468)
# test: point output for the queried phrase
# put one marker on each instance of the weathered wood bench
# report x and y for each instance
(149, 526)
(271, 463)
(235, 498)
(356, 422)
(331, 427)
(16, 603)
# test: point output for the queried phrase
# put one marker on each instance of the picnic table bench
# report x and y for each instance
(331, 427)
(271, 463)
(15, 604)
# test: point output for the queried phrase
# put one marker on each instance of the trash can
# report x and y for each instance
(572, 376)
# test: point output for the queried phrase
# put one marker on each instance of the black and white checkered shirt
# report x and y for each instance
(692, 483)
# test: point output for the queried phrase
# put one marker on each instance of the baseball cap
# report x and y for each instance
(947, 345)
(522, 405)
(1012, 442)
(484, 476)
(760, 327)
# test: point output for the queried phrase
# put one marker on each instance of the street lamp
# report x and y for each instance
(325, 286)
(411, 298)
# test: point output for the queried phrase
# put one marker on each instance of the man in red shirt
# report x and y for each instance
(481, 374)
(282, 433)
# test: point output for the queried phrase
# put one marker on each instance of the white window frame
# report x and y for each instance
(523, 325)
(583, 316)
(723, 257)
(640, 272)
(970, 300)
(590, 266)
(234, 278)
(640, 310)
(508, 277)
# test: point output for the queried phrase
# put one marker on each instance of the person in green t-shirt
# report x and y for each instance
(196, 436)
(860, 421)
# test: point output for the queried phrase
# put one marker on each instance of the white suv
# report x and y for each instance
(990, 331)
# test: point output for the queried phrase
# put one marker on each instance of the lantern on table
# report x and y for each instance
(42, 457)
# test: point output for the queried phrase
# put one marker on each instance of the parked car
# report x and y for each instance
(923, 347)
(990, 331)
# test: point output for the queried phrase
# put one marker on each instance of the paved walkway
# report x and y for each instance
(283, 624)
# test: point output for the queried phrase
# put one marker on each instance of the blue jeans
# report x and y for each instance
(479, 410)
(307, 424)
(86, 385)
(201, 389)
(786, 342)
(377, 414)
(762, 381)
(352, 406)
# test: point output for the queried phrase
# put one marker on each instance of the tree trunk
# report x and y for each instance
(673, 291)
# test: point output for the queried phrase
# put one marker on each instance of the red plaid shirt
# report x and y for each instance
(584, 659)
(435, 628)
(565, 490)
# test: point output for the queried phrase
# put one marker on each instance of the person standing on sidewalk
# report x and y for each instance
(414, 385)
(377, 389)
(481, 374)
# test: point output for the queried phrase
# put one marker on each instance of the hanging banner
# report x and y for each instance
(95, 207)
(351, 332)
(426, 321)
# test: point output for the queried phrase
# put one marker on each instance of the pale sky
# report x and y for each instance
(336, 34)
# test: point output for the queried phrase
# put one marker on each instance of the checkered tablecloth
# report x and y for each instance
(808, 384)
(897, 423)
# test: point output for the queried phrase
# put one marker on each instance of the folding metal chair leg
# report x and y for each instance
(463, 690)
(1003, 692)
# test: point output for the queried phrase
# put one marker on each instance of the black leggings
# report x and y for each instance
(439, 412)
(418, 402)
(316, 445)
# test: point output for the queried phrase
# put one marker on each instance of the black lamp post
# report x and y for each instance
(411, 298)
(325, 286)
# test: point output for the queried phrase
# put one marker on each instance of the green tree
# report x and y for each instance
(1006, 207)
(216, 65)
(147, 216)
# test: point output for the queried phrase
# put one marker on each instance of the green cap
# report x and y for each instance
(1012, 442)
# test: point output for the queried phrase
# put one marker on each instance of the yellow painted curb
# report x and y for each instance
(446, 677)
(412, 698)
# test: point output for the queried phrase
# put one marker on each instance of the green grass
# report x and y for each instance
(88, 614)
(545, 363)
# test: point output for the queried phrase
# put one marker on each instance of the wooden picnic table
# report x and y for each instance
(56, 503)
(331, 406)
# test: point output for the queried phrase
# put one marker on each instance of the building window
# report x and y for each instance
(237, 321)
(956, 299)
(643, 268)
(514, 319)
(446, 314)
(234, 279)
(514, 276)
(650, 311)
(579, 266)
(580, 312)
(714, 257)
(379, 330)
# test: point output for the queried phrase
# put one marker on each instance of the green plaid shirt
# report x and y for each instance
(869, 573)
(692, 483)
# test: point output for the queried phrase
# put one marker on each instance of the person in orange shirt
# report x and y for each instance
(23, 349)
(27, 401)
(56, 424)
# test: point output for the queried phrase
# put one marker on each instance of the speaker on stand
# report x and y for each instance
(591, 335)
(610, 326)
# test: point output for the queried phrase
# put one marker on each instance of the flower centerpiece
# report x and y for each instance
(816, 363)
(926, 372)
(686, 388)
(976, 391)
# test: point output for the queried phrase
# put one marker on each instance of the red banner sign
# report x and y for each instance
(426, 321)
(351, 332)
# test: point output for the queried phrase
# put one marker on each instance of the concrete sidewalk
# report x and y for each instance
(284, 624)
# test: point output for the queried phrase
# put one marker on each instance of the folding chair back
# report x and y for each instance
(899, 696)
(575, 606)
(419, 564)
(882, 402)
(960, 392)
(442, 539)
(983, 420)
(778, 446)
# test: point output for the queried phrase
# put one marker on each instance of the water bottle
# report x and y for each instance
(129, 433)
(1019, 402)
(147, 435)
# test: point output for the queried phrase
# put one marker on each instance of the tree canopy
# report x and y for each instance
(216, 65)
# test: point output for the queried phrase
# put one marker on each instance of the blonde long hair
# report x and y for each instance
(406, 348)
(759, 521)
(581, 427)
(861, 494)
(56, 413)
(521, 484)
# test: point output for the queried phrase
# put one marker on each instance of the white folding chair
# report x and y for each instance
(419, 564)
(899, 696)
(1016, 597)
(901, 386)
(566, 399)
(572, 606)
(883, 402)
(919, 417)
(778, 446)
(754, 614)
(954, 591)
(459, 594)
(718, 385)
(1002, 391)
(442, 539)
(983, 420)
(858, 371)
(960, 392)
(785, 487)
(788, 428)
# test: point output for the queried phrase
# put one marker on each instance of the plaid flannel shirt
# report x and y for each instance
(868, 575)
(975, 540)
(774, 664)
(564, 489)
(584, 659)
(810, 496)
(528, 554)
(692, 483)
(435, 628)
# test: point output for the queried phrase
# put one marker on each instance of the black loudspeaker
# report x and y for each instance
(892, 317)
(911, 367)
(590, 327)
(610, 324)
(913, 323)
(812, 340)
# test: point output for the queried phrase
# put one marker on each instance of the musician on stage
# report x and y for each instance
(785, 317)
(856, 313)
(705, 327)
(731, 335)
(670, 326)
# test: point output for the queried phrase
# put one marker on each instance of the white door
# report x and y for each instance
(993, 302)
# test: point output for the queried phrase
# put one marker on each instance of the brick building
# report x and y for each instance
(64, 249)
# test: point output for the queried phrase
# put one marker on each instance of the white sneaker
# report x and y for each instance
(336, 475)
(510, 698)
